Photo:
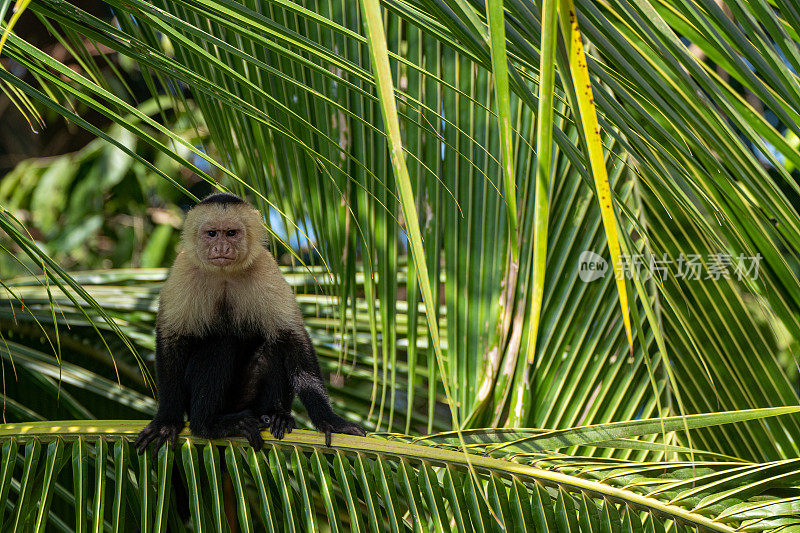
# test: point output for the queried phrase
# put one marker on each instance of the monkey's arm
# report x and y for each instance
(171, 356)
(302, 369)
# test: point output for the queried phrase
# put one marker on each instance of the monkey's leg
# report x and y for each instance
(221, 425)
(302, 369)
(210, 380)
(242, 423)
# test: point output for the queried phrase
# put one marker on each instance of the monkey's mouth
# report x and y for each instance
(221, 260)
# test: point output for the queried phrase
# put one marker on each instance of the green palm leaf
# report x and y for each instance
(549, 490)
(297, 114)
(263, 76)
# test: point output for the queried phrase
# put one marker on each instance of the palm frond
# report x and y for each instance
(389, 481)
(290, 100)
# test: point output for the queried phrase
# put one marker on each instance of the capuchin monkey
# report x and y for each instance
(231, 347)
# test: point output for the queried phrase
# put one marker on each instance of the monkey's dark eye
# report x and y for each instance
(212, 233)
(231, 232)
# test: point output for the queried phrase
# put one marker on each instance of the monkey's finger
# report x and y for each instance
(141, 447)
(143, 434)
(328, 436)
(278, 427)
(144, 444)
(355, 430)
(159, 441)
(144, 438)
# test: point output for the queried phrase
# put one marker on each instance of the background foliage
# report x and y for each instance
(698, 106)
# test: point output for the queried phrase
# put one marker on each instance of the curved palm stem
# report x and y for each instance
(367, 473)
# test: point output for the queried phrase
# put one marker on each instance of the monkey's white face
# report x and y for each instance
(222, 242)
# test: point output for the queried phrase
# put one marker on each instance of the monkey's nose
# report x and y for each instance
(222, 252)
(222, 249)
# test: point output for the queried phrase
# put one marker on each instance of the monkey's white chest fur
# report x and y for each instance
(259, 299)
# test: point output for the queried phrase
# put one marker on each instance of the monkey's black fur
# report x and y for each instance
(221, 198)
(232, 381)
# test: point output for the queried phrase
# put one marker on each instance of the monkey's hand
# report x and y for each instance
(279, 424)
(340, 425)
(159, 431)
(250, 428)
